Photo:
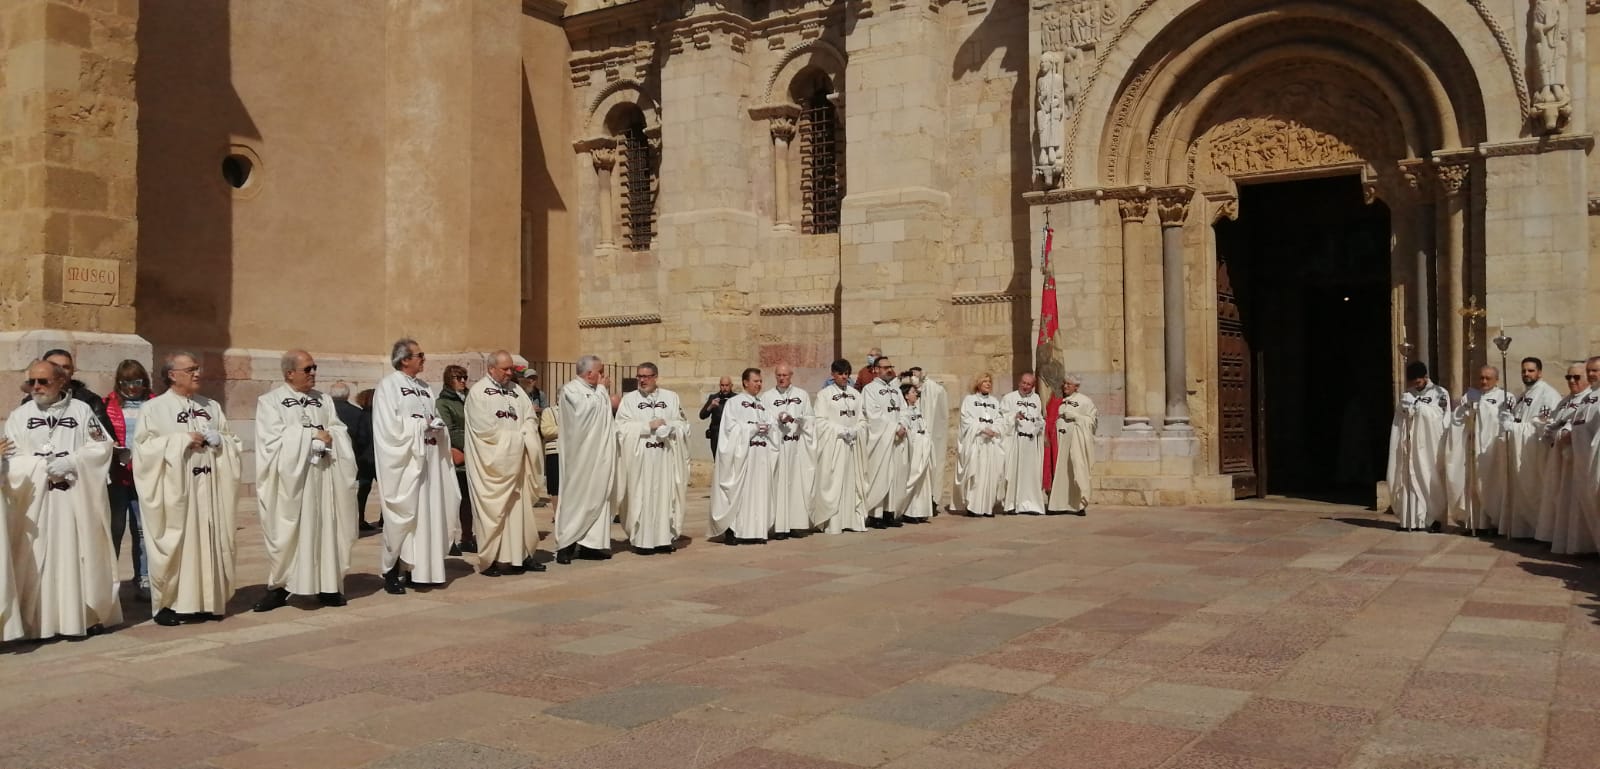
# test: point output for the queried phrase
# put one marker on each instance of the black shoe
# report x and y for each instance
(780, 535)
(276, 598)
(1435, 527)
(729, 539)
(874, 522)
(455, 551)
(528, 564)
(367, 526)
(492, 571)
(891, 522)
(469, 545)
(591, 554)
(391, 582)
(94, 630)
(668, 549)
(167, 618)
(564, 555)
(1084, 513)
(204, 616)
(331, 599)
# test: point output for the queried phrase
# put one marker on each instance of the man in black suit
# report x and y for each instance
(360, 441)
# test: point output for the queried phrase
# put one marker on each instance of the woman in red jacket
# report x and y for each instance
(122, 412)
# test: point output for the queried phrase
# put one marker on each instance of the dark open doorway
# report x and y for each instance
(1303, 339)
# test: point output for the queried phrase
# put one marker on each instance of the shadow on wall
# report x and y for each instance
(189, 173)
(540, 197)
(1005, 28)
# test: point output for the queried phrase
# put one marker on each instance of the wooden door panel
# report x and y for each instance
(1235, 388)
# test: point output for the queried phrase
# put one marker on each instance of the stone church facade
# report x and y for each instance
(1261, 209)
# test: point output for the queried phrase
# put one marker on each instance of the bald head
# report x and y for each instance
(1488, 378)
(501, 366)
(784, 374)
(299, 370)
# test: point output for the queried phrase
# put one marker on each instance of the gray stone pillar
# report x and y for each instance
(1452, 217)
(1172, 205)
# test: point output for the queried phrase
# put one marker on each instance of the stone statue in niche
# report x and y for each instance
(1547, 38)
(1057, 89)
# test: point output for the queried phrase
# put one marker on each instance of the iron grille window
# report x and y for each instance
(821, 166)
(639, 197)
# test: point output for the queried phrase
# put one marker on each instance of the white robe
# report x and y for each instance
(1416, 457)
(887, 452)
(1523, 428)
(1076, 421)
(747, 462)
(416, 479)
(1476, 469)
(1025, 452)
(797, 463)
(589, 479)
(655, 467)
(306, 501)
(916, 500)
(187, 498)
(981, 454)
(841, 431)
(1584, 483)
(63, 568)
(935, 404)
(505, 471)
(1558, 523)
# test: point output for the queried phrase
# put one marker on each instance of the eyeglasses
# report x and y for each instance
(132, 382)
(647, 376)
(419, 356)
(38, 382)
(459, 376)
(1573, 377)
(189, 370)
(311, 369)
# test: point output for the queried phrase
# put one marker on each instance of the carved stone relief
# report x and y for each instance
(1057, 97)
(1548, 31)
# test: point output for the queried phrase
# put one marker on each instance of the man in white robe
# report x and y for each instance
(916, 498)
(1558, 523)
(841, 428)
(1072, 419)
(981, 454)
(416, 478)
(63, 564)
(1023, 416)
(653, 454)
(305, 488)
(505, 469)
(1417, 452)
(888, 454)
(790, 408)
(1477, 472)
(589, 479)
(1523, 427)
(1582, 433)
(186, 468)
(934, 403)
(747, 463)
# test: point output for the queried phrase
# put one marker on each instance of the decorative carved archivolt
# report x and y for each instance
(993, 297)
(800, 309)
(615, 321)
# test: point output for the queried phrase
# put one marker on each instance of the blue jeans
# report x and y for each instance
(125, 515)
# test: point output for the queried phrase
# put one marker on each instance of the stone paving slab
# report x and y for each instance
(1260, 635)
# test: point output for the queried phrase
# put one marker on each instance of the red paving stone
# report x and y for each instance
(1280, 608)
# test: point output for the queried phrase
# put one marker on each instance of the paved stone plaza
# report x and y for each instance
(1267, 635)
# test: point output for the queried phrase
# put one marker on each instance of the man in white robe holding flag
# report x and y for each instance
(841, 429)
(1523, 427)
(1070, 421)
(747, 462)
(504, 468)
(588, 465)
(888, 454)
(1476, 472)
(186, 468)
(416, 479)
(305, 488)
(654, 463)
(1416, 452)
(790, 408)
(1023, 416)
(63, 565)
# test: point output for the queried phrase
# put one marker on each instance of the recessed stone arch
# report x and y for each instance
(817, 54)
(622, 92)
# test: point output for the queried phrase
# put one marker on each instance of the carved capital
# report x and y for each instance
(1418, 178)
(1591, 6)
(1451, 178)
(1172, 205)
(1227, 208)
(1133, 209)
(782, 128)
(604, 158)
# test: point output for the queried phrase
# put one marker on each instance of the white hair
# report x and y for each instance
(1072, 379)
(400, 351)
(588, 363)
(340, 391)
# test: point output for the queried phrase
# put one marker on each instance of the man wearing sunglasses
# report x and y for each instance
(416, 479)
(76, 390)
(1558, 524)
(1523, 426)
(305, 488)
(63, 565)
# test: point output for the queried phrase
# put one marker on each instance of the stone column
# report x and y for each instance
(1172, 205)
(604, 156)
(1452, 220)
(68, 192)
(782, 122)
(1134, 211)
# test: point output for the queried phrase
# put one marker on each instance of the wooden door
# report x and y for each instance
(1235, 390)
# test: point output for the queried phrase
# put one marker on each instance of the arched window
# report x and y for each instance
(821, 160)
(638, 184)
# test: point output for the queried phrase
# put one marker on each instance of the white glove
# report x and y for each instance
(318, 447)
(762, 429)
(848, 438)
(213, 438)
(1507, 420)
(436, 424)
(663, 431)
(58, 467)
(1408, 399)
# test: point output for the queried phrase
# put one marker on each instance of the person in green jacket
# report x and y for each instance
(452, 406)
